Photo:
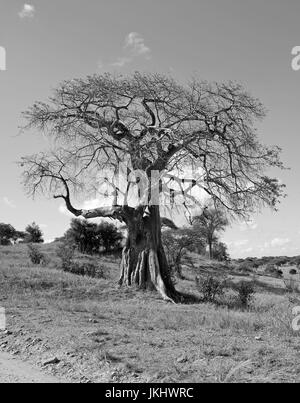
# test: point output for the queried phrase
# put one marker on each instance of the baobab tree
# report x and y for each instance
(158, 127)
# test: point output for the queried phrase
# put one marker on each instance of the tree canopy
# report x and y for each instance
(158, 124)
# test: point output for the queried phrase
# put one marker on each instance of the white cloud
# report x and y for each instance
(134, 46)
(275, 243)
(135, 43)
(279, 242)
(28, 11)
(8, 202)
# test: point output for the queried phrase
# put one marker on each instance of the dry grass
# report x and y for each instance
(101, 333)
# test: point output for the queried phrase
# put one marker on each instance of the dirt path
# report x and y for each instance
(13, 370)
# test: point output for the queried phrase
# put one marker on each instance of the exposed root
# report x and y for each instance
(143, 269)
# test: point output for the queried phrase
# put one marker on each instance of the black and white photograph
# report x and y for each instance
(150, 194)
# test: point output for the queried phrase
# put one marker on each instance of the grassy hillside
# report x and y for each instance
(101, 333)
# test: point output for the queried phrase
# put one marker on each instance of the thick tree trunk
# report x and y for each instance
(144, 263)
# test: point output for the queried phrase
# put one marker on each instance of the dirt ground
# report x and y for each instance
(13, 370)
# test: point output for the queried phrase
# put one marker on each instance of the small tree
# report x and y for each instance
(84, 235)
(90, 237)
(209, 224)
(177, 243)
(210, 287)
(66, 252)
(33, 234)
(110, 236)
(246, 292)
(35, 254)
(220, 252)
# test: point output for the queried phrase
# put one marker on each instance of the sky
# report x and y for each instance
(219, 40)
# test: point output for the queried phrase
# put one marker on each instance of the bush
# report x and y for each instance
(246, 291)
(272, 270)
(245, 268)
(210, 287)
(35, 255)
(90, 238)
(293, 272)
(87, 269)
(66, 252)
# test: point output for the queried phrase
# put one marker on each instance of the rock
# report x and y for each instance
(258, 338)
(51, 361)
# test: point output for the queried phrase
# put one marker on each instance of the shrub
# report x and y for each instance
(246, 291)
(210, 287)
(272, 270)
(87, 269)
(293, 272)
(89, 238)
(35, 255)
(245, 268)
(66, 252)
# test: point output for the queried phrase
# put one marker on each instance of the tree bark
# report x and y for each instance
(144, 263)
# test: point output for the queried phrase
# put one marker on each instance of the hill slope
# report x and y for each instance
(101, 333)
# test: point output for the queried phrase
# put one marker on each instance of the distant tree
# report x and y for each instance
(33, 234)
(220, 252)
(296, 261)
(84, 235)
(280, 261)
(8, 234)
(209, 224)
(177, 244)
(272, 270)
(90, 237)
(111, 237)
